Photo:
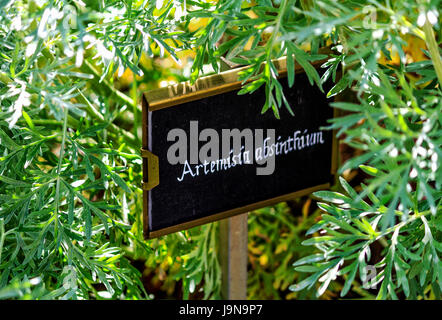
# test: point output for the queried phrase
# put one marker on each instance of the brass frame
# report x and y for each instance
(185, 92)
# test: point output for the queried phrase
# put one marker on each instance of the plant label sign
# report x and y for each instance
(209, 153)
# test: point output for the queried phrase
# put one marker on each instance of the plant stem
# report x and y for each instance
(433, 49)
(43, 122)
(60, 160)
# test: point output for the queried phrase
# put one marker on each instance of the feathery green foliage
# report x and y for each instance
(70, 197)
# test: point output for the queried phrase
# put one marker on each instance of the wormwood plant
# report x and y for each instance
(397, 123)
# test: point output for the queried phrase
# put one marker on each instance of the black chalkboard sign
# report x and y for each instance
(181, 195)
